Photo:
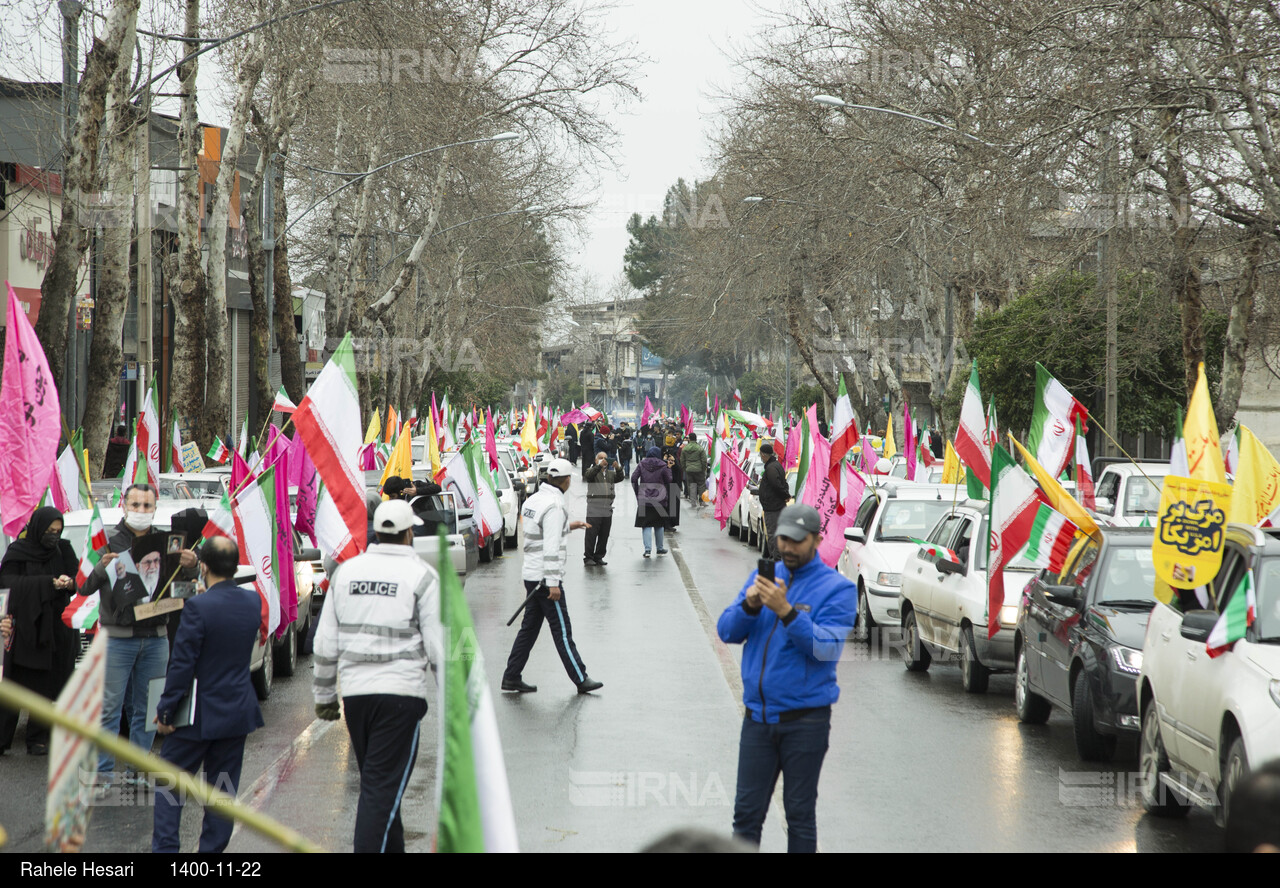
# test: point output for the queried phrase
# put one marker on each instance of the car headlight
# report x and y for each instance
(884, 578)
(1275, 691)
(1009, 614)
(1130, 660)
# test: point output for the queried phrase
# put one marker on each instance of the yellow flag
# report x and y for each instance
(400, 465)
(1188, 542)
(375, 428)
(1256, 493)
(951, 471)
(889, 448)
(529, 434)
(1059, 498)
(1200, 432)
(393, 424)
(433, 448)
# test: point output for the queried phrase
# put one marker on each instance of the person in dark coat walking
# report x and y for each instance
(39, 571)
(587, 441)
(651, 482)
(626, 447)
(600, 480)
(117, 453)
(774, 494)
(210, 661)
(677, 489)
(571, 439)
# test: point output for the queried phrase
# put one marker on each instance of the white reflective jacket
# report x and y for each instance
(379, 629)
(546, 536)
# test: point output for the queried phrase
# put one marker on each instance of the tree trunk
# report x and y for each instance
(1237, 345)
(190, 291)
(58, 287)
(105, 356)
(217, 408)
(260, 394)
(793, 305)
(292, 375)
(1184, 266)
(405, 275)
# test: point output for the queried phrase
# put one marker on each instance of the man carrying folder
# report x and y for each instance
(209, 677)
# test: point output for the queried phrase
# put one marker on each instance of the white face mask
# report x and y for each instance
(139, 521)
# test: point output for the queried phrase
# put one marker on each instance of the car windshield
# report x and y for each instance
(907, 520)
(502, 480)
(1128, 578)
(434, 511)
(1267, 621)
(205, 486)
(504, 457)
(1142, 497)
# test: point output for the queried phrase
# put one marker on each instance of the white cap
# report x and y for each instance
(560, 468)
(394, 516)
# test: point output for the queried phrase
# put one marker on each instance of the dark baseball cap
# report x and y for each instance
(798, 521)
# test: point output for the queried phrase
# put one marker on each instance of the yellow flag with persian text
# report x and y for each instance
(1200, 433)
(1256, 492)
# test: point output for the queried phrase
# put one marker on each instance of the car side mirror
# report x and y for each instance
(1103, 506)
(464, 514)
(309, 555)
(1064, 596)
(855, 534)
(1197, 624)
(946, 566)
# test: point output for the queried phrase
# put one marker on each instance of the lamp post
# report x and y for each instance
(833, 102)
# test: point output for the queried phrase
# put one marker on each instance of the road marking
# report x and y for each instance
(258, 793)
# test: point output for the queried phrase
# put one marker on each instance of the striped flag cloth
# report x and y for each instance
(95, 540)
(1050, 540)
(221, 522)
(1014, 506)
(1053, 423)
(218, 451)
(1235, 619)
(82, 612)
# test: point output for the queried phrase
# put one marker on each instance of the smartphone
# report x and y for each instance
(765, 568)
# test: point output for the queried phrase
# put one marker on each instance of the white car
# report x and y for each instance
(1205, 719)
(738, 526)
(1128, 494)
(510, 502)
(944, 603)
(892, 517)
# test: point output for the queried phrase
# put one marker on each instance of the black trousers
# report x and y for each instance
(597, 537)
(221, 760)
(556, 614)
(45, 682)
(384, 736)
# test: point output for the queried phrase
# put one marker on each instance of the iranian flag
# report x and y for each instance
(70, 490)
(282, 404)
(1050, 540)
(487, 506)
(218, 451)
(909, 443)
(1231, 451)
(844, 432)
(175, 449)
(1053, 423)
(971, 435)
(82, 612)
(243, 447)
(1178, 452)
(1015, 503)
(329, 421)
(1242, 606)
(95, 541)
(737, 396)
(254, 510)
(221, 522)
(1084, 473)
(808, 429)
(475, 800)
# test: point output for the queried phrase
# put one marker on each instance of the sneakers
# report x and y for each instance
(518, 686)
(646, 553)
(589, 684)
(662, 551)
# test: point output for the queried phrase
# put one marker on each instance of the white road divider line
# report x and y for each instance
(257, 794)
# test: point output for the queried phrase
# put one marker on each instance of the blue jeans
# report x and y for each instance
(795, 750)
(647, 533)
(142, 659)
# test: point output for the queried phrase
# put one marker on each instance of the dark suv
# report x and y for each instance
(1078, 645)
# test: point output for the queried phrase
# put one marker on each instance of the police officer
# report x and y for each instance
(546, 546)
(379, 632)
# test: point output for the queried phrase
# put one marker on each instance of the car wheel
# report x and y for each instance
(499, 546)
(307, 637)
(734, 530)
(916, 655)
(863, 623)
(263, 678)
(973, 675)
(1091, 745)
(285, 652)
(1032, 708)
(486, 551)
(763, 539)
(1153, 761)
(1234, 772)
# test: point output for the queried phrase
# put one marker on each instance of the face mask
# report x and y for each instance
(50, 540)
(138, 521)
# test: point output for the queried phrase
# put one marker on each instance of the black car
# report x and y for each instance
(1078, 645)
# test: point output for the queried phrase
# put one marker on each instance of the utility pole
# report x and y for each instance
(70, 10)
(1107, 283)
(146, 291)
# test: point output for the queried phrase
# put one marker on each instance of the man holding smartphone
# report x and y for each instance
(792, 627)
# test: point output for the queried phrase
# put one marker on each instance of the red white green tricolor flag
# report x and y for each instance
(844, 432)
(95, 541)
(329, 421)
(1015, 503)
(218, 451)
(1238, 616)
(475, 799)
(221, 522)
(82, 612)
(282, 403)
(254, 509)
(1052, 435)
(1050, 540)
(971, 435)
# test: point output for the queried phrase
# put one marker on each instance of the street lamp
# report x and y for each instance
(833, 102)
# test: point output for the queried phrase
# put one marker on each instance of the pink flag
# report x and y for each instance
(30, 427)
(490, 443)
(240, 472)
(835, 520)
(648, 412)
(286, 581)
(729, 488)
(278, 447)
(686, 418)
(303, 475)
(791, 456)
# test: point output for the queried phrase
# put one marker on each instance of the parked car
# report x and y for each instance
(755, 514)
(1128, 494)
(891, 519)
(200, 485)
(459, 524)
(944, 603)
(738, 526)
(510, 501)
(1206, 720)
(1078, 645)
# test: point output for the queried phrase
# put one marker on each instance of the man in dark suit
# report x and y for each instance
(212, 651)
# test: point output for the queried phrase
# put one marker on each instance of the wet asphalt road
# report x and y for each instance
(914, 763)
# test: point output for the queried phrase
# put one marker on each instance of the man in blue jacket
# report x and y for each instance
(211, 655)
(792, 632)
